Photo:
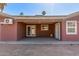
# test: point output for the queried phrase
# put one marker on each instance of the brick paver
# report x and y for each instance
(37, 47)
(38, 50)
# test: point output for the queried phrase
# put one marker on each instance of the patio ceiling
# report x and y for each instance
(39, 19)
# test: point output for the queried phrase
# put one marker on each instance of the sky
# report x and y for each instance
(37, 8)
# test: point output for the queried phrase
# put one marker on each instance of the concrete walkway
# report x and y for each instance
(39, 41)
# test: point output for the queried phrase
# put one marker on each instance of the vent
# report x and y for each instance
(7, 21)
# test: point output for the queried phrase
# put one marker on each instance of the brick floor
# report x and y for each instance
(38, 50)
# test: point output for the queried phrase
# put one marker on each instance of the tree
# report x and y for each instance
(43, 13)
(2, 5)
(21, 13)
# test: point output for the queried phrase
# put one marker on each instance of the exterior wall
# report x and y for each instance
(8, 32)
(61, 30)
(0, 32)
(70, 37)
(12, 32)
(17, 31)
(40, 33)
(21, 30)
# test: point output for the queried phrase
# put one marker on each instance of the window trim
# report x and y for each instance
(69, 33)
(45, 25)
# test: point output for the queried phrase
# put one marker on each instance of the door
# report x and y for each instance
(57, 31)
(31, 30)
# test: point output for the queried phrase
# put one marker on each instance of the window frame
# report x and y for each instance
(73, 27)
(43, 27)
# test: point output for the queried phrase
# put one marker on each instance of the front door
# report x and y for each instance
(57, 31)
(30, 30)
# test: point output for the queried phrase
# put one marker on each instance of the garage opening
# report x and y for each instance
(26, 31)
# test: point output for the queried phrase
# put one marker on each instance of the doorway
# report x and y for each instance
(30, 30)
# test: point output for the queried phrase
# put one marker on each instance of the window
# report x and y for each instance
(71, 27)
(44, 27)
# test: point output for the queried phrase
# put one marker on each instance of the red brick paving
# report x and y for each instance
(38, 50)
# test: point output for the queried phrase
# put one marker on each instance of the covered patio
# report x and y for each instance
(33, 24)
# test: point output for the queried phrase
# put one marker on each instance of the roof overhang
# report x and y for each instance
(39, 17)
(5, 15)
(38, 21)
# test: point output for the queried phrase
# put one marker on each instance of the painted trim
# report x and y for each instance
(73, 21)
(57, 31)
